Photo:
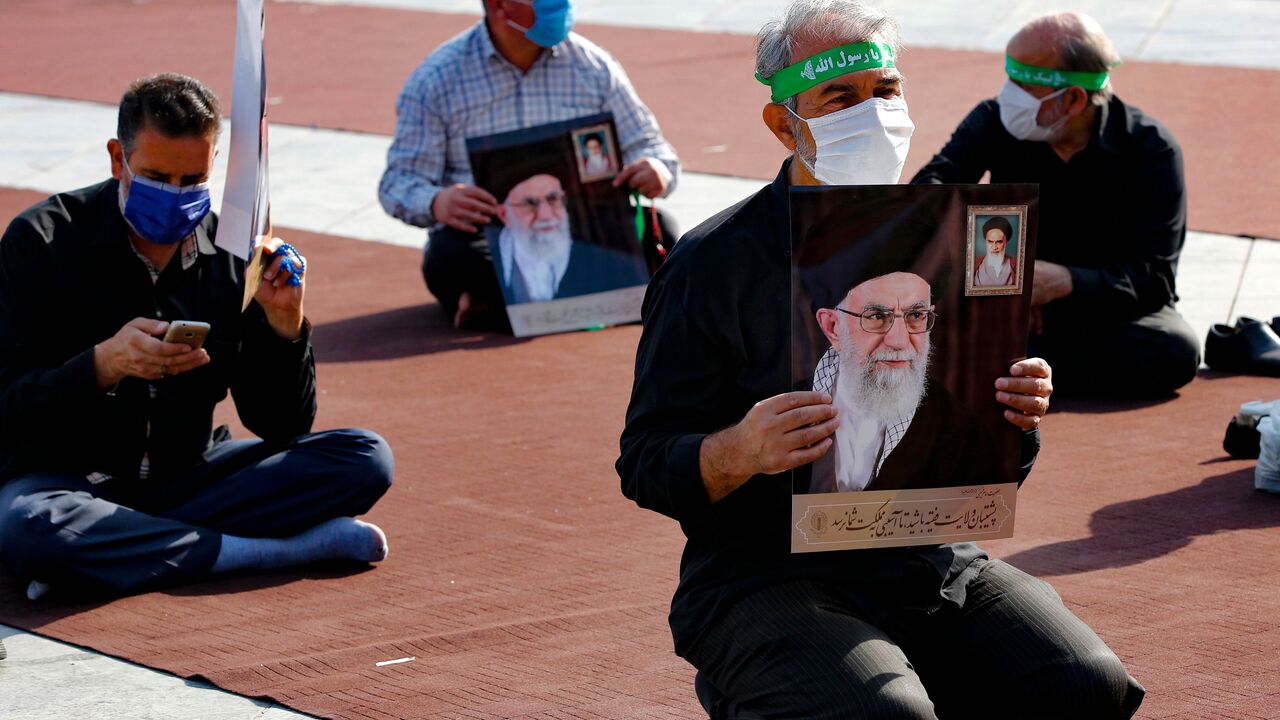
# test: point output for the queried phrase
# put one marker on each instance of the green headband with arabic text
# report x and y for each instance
(795, 79)
(1049, 77)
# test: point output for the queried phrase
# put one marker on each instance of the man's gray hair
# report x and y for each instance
(1081, 46)
(838, 21)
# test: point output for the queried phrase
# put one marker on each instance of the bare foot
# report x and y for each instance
(464, 310)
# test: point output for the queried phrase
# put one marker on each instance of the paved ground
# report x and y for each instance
(325, 181)
(1197, 32)
(49, 680)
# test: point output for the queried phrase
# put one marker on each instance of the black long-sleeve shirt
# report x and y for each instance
(717, 340)
(1115, 214)
(69, 279)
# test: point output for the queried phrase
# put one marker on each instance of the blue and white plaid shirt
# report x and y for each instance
(467, 89)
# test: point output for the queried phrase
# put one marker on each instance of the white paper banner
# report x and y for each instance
(245, 215)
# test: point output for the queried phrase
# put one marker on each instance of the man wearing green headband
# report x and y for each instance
(712, 429)
(1112, 209)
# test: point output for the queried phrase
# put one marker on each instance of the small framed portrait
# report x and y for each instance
(997, 252)
(596, 153)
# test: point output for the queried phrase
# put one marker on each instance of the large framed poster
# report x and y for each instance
(564, 244)
(908, 302)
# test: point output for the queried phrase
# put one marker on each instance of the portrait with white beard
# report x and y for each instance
(996, 251)
(597, 153)
(534, 243)
(564, 248)
(537, 257)
(882, 324)
(875, 372)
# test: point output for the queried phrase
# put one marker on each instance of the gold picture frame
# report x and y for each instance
(978, 216)
(603, 133)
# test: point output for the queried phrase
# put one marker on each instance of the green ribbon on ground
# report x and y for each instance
(795, 79)
(1049, 77)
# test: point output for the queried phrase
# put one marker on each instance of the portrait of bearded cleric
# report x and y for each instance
(881, 322)
(565, 250)
(875, 372)
(538, 259)
(996, 254)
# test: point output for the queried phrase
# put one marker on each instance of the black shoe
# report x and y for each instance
(1242, 440)
(1250, 347)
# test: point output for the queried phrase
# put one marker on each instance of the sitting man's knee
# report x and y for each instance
(1172, 351)
(377, 464)
(889, 694)
(14, 533)
(1114, 691)
(1184, 358)
(1098, 686)
(902, 700)
(29, 539)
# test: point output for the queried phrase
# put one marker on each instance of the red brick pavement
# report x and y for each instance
(527, 587)
(342, 67)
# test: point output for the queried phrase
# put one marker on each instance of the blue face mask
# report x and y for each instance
(553, 19)
(161, 213)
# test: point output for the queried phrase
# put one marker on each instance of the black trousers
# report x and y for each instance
(808, 649)
(1148, 357)
(120, 537)
(455, 262)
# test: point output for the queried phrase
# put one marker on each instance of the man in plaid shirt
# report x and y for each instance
(519, 67)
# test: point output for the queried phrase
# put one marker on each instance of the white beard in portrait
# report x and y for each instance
(877, 391)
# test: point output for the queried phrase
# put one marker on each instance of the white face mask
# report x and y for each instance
(861, 145)
(1019, 109)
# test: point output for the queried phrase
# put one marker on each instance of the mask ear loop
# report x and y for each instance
(1055, 94)
(812, 168)
(1060, 92)
(121, 196)
(516, 25)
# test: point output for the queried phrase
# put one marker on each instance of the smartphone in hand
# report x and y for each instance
(188, 332)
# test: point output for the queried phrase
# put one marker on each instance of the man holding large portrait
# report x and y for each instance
(714, 419)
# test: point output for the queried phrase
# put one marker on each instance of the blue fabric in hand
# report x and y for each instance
(292, 264)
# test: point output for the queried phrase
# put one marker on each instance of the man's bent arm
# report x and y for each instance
(675, 391)
(1141, 280)
(36, 395)
(718, 466)
(416, 159)
(638, 130)
(274, 385)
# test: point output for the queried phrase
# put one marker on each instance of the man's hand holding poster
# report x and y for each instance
(895, 319)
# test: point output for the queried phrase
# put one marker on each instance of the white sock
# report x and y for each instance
(338, 539)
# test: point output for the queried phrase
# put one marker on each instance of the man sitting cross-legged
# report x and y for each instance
(111, 476)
